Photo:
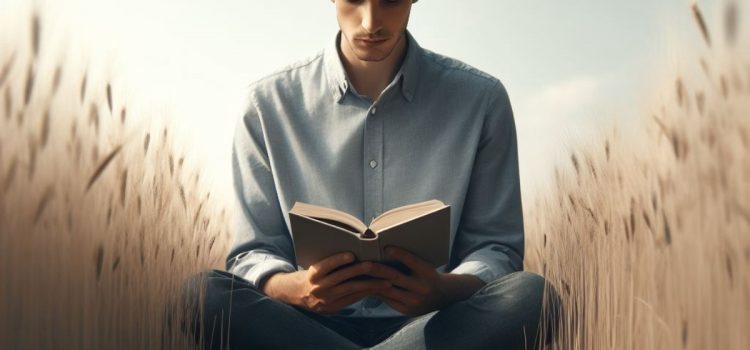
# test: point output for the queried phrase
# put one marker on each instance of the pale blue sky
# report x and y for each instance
(572, 68)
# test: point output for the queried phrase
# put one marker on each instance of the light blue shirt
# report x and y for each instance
(440, 130)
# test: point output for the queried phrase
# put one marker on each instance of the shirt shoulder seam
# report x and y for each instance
(459, 65)
(288, 68)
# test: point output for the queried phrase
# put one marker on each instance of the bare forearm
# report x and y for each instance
(281, 286)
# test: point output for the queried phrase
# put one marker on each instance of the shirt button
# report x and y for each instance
(374, 110)
(373, 164)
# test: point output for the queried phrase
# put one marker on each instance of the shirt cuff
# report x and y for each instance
(476, 268)
(257, 273)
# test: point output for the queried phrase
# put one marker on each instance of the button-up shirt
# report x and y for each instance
(440, 130)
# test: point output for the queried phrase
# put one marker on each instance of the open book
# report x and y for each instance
(421, 228)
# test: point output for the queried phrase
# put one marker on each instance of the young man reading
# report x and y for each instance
(372, 123)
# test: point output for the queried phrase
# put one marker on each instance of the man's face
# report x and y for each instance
(372, 28)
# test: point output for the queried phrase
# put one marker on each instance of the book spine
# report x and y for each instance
(369, 249)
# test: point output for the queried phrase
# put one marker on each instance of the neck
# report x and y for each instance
(370, 78)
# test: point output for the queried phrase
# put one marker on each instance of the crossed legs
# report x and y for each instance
(505, 314)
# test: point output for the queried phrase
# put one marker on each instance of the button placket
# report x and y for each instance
(373, 169)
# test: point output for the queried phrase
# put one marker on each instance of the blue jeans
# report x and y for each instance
(504, 314)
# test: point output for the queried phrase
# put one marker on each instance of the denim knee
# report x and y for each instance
(194, 290)
(529, 294)
(187, 308)
(205, 303)
(520, 287)
(214, 288)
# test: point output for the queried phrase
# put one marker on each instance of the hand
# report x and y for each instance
(321, 289)
(425, 290)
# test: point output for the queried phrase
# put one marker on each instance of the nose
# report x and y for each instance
(371, 17)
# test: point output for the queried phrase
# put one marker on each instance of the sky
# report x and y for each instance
(573, 69)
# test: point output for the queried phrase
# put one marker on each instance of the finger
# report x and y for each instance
(413, 262)
(355, 287)
(395, 304)
(398, 279)
(366, 268)
(383, 271)
(402, 296)
(323, 267)
(346, 273)
(347, 300)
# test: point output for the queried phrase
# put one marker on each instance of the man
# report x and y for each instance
(372, 123)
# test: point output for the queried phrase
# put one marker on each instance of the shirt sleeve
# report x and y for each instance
(489, 240)
(262, 243)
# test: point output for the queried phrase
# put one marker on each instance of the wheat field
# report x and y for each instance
(102, 215)
(101, 218)
(651, 249)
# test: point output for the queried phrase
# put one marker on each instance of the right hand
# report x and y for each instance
(321, 289)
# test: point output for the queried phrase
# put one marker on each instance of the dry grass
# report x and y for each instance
(97, 231)
(101, 220)
(651, 250)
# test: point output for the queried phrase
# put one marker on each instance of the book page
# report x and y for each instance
(323, 213)
(404, 213)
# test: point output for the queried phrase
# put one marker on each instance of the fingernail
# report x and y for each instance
(348, 257)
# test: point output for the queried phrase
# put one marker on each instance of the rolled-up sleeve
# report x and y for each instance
(489, 241)
(262, 244)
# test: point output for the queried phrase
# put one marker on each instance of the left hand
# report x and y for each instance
(425, 290)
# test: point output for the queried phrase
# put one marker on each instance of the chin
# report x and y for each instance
(372, 55)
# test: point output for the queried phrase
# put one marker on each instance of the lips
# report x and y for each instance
(372, 38)
(373, 42)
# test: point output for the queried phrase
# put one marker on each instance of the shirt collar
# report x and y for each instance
(408, 72)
